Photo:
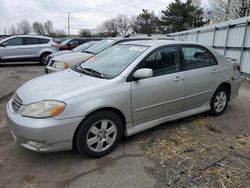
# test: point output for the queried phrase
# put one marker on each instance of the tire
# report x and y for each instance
(219, 101)
(43, 57)
(93, 139)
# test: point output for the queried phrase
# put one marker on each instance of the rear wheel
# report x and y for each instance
(99, 134)
(219, 101)
(43, 58)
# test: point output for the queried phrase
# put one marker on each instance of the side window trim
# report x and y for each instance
(195, 46)
(130, 76)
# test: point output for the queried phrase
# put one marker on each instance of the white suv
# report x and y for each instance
(23, 47)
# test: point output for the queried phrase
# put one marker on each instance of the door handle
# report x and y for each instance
(178, 79)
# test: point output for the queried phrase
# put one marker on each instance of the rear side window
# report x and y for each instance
(31, 41)
(44, 41)
(197, 57)
(14, 42)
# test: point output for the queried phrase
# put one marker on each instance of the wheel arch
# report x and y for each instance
(227, 86)
(112, 109)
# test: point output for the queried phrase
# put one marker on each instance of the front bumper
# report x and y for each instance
(43, 135)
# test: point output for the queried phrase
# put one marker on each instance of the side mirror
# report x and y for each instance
(143, 73)
(3, 44)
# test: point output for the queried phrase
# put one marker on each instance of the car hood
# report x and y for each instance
(60, 53)
(58, 86)
(73, 58)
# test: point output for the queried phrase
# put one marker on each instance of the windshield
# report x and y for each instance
(100, 46)
(83, 47)
(111, 62)
(66, 41)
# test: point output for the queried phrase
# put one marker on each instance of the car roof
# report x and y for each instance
(155, 43)
(35, 36)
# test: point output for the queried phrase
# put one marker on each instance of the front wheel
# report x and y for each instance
(219, 101)
(99, 134)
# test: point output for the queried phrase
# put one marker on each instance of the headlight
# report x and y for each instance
(61, 65)
(43, 109)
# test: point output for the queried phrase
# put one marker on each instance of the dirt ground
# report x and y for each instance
(199, 151)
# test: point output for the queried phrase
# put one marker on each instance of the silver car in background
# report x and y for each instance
(25, 47)
(124, 90)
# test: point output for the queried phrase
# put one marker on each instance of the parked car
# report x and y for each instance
(23, 47)
(124, 90)
(69, 44)
(80, 48)
(69, 60)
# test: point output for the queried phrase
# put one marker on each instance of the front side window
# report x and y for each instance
(31, 41)
(14, 42)
(197, 57)
(111, 62)
(163, 61)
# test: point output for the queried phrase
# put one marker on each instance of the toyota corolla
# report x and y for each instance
(124, 90)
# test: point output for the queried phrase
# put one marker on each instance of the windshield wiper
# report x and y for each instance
(88, 52)
(94, 72)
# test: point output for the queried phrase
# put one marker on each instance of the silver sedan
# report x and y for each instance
(124, 90)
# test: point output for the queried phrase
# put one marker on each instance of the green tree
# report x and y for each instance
(146, 23)
(180, 16)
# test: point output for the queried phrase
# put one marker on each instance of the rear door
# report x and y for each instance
(32, 46)
(13, 49)
(163, 94)
(201, 75)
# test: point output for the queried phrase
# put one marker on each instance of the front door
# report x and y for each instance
(13, 49)
(161, 95)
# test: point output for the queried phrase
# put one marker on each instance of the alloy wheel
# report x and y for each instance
(220, 101)
(101, 135)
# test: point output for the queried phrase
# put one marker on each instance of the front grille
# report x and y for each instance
(16, 103)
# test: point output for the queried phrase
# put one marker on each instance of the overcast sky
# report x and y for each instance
(84, 13)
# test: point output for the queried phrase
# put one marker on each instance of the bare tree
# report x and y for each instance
(12, 30)
(24, 27)
(108, 28)
(48, 28)
(123, 24)
(60, 33)
(85, 33)
(133, 24)
(223, 10)
(38, 28)
(118, 25)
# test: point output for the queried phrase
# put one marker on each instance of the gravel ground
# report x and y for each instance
(200, 151)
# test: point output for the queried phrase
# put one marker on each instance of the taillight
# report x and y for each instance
(237, 66)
